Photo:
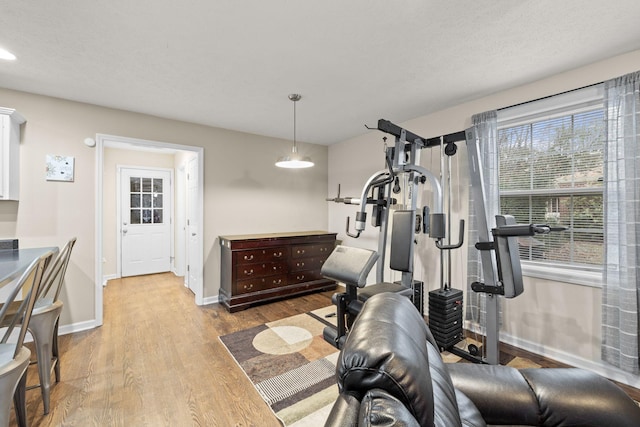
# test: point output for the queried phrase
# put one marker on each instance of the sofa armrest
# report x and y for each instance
(544, 397)
(387, 349)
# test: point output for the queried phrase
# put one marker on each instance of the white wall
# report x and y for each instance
(243, 191)
(553, 318)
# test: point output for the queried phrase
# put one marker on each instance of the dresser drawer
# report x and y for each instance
(302, 264)
(249, 285)
(247, 271)
(275, 281)
(325, 249)
(259, 284)
(318, 249)
(261, 255)
(304, 276)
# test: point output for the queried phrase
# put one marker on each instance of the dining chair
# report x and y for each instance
(14, 356)
(44, 322)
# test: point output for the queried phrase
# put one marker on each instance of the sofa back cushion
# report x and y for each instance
(387, 348)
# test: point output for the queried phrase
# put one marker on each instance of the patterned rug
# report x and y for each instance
(291, 365)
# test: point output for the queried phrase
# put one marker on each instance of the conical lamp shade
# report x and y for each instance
(294, 161)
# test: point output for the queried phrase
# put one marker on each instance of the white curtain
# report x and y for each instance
(486, 128)
(621, 278)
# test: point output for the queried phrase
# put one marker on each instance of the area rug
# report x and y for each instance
(291, 365)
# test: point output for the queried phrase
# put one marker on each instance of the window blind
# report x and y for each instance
(551, 172)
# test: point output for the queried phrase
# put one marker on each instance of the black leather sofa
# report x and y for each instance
(390, 373)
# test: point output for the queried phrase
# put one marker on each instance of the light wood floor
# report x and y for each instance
(157, 361)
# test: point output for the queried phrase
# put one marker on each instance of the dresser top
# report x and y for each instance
(273, 235)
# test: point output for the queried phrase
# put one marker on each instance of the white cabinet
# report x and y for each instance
(10, 121)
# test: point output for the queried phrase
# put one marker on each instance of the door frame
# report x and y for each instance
(104, 140)
(191, 261)
(119, 214)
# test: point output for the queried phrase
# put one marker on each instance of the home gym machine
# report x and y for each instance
(498, 245)
(500, 261)
(501, 269)
(350, 265)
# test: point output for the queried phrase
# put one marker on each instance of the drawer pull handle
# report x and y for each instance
(248, 287)
(300, 251)
(248, 273)
(277, 254)
(300, 277)
(248, 257)
(277, 282)
(300, 264)
(275, 268)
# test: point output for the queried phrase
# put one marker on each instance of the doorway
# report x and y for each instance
(181, 154)
(145, 220)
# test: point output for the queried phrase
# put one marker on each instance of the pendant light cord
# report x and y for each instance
(295, 147)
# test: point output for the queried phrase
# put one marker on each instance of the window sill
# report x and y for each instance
(564, 274)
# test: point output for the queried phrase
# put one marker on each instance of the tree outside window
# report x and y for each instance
(551, 173)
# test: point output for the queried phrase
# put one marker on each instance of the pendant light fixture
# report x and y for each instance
(294, 160)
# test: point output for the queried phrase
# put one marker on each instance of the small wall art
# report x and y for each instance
(59, 168)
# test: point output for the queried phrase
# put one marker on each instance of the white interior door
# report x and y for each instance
(145, 232)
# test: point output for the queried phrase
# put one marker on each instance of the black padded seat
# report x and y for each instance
(395, 288)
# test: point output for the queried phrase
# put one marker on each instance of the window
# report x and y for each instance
(551, 172)
(146, 200)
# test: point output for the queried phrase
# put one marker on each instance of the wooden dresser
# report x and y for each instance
(261, 267)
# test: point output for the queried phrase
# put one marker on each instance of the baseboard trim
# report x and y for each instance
(77, 327)
(211, 300)
(108, 277)
(597, 366)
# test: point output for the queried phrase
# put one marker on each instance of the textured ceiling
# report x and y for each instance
(231, 63)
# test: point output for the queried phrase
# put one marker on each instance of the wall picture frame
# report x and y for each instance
(60, 168)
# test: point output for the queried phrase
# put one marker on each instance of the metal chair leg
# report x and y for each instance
(42, 327)
(55, 353)
(20, 401)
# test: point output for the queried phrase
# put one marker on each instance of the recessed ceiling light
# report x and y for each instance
(5, 54)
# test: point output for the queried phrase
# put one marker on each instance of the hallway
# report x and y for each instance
(157, 361)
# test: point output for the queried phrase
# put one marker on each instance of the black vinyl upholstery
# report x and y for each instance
(349, 265)
(390, 373)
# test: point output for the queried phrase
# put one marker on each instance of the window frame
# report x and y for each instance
(573, 102)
